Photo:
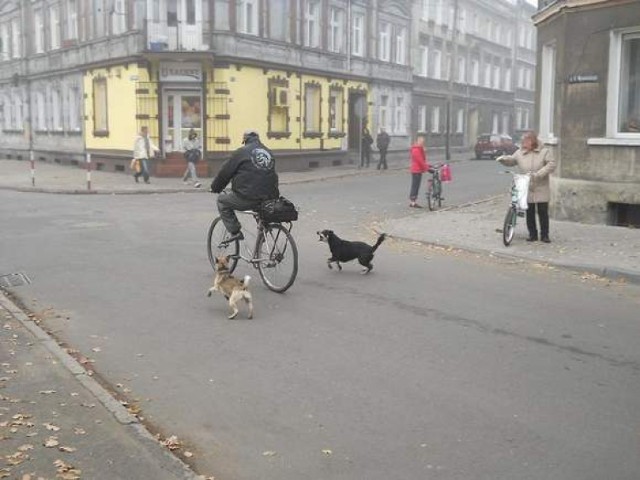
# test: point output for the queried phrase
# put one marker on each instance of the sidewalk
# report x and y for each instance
(611, 252)
(56, 421)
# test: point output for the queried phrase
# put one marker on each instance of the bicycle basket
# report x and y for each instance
(278, 210)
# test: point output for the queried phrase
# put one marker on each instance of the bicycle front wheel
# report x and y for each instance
(438, 193)
(430, 202)
(509, 227)
(276, 257)
(216, 245)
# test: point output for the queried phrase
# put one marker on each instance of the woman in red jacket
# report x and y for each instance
(419, 165)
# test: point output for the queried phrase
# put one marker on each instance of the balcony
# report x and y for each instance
(177, 36)
(542, 4)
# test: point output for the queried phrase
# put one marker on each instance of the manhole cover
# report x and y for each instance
(14, 280)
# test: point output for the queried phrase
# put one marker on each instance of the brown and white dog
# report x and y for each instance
(233, 289)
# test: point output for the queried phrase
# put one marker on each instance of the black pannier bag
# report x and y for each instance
(278, 210)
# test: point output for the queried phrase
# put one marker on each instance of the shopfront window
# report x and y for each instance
(629, 99)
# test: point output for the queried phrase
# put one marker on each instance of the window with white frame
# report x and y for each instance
(357, 34)
(626, 50)
(496, 77)
(38, 26)
(5, 112)
(384, 112)
(312, 24)
(401, 34)
(475, 71)
(119, 16)
(74, 113)
(476, 23)
(424, 61)
(487, 75)
(422, 118)
(460, 120)
(400, 123)
(56, 109)
(447, 67)
(18, 117)
(16, 37)
(312, 104)
(279, 29)
(520, 77)
(435, 119)
(547, 90)
(452, 16)
(497, 34)
(527, 124)
(519, 118)
(522, 37)
(438, 11)
(425, 10)
(384, 42)
(71, 32)
(505, 123)
(40, 109)
(495, 123)
(54, 27)
(462, 70)
(529, 77)
(437, 64)
(4, 41)
(507, 79)
(248, 17)
(462, 21)
(336, 30)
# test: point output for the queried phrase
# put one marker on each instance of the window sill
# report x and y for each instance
(102, 133)
(337, 135)
(312, 134)
(615, 142)
(278, 135)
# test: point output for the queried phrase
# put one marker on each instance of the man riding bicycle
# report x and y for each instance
(251, 171)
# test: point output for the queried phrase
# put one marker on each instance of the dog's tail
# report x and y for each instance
(380, 240)
(245, 281)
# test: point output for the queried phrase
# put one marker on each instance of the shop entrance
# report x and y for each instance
(182, 111)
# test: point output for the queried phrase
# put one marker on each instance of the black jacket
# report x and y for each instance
(251, 171)
(383, 140)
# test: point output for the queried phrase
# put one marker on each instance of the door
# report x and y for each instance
(184, 24)
(182, 111)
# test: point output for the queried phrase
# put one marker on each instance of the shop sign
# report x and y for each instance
(180, 72)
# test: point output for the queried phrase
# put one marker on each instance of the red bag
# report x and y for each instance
(445, 173)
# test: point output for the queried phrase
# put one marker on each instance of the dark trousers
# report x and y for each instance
(383, 159)
(144, 170)
(365, 157)
(416, 179)
(228, 203)
(543, 216)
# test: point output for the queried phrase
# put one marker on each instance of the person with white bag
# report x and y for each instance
(538, 162)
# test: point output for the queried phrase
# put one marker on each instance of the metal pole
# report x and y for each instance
(452, 71)
(33, 168)
(88, 170)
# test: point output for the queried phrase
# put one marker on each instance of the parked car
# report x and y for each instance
(493, 146)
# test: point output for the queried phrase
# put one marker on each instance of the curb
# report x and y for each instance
(121, 414)
(610, 273)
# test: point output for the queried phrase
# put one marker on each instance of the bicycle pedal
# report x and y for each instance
(521, 214)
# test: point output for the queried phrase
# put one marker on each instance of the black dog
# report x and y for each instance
(345, 251)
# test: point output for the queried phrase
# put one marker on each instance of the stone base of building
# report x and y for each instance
(591, 202)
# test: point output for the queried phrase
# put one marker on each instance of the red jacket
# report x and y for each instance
(419, 162)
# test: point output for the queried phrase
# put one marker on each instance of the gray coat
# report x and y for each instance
(540, 162)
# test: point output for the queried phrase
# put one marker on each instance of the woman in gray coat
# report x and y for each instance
(538, 162)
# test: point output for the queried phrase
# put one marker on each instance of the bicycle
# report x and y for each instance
(434, 187)
(514, 211)
(274, 251)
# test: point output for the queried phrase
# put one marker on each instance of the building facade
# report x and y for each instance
(308, 74)
(588, 107)
(474, 66)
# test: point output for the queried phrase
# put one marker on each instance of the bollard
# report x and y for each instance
(33, 168)
(88, 171)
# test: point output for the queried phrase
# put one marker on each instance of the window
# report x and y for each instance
(422, 118)
(487, 75)
(424, 61)
(384, 46)
(629, 85)
(460, 121)
(54, 27)
(38, 27)
(74, 114)
(462, 70)
(452, 16)
(494, 123)
(447, 68)
(439, 14)
(519, 124)
(278, 26)
(99, 26)
(462, 21)
(5, 112)
(507, 79)
(475, 72)
(17, 111)
(437, 64)
(72, 20)
(357, 34)
(278, 107)
(119, 17)
(56, 110)
(39, 107)
(312, 27)
(435, 119)
(221, 20)
(496, 77)
(400, 45)
(4, 39)
(400, 124)
(336, 103)
(312, 108)
(172, 12)
(505, 123)
(384, 112)
(425, 9)
(16, 36)
(191, 11)
(248, 17)
(520, 77)
(336, 30)
(527, 125)
(100, 117)
(547, 92)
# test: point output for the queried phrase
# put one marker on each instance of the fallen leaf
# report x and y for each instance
(51, 442)
(25, 448)
(51, 427)
(96, 349)
(172, 443)
(47, 392)
(188, 454)
(67, 449)
(269, 453)
(326, 451)
(79, 431)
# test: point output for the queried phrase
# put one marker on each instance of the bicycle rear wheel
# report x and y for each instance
(276, 256)
(216, 247)
(509, 227)
(438, 193)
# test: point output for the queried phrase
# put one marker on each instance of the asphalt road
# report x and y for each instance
(437, 365)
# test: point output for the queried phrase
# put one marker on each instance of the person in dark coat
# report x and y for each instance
(367, 141)
(382, 143)
(252, 173)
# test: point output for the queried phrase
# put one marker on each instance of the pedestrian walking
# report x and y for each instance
(382, 143)
(143, 148)
(419, 165)
(366, 142)
(538, 162)
(192, 154)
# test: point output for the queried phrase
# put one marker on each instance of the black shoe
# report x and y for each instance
(546, 240)
(147, 181)
(136, 179)
(532, 238)
(236, 236)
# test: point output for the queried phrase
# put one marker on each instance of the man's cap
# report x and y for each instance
(249, 133)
